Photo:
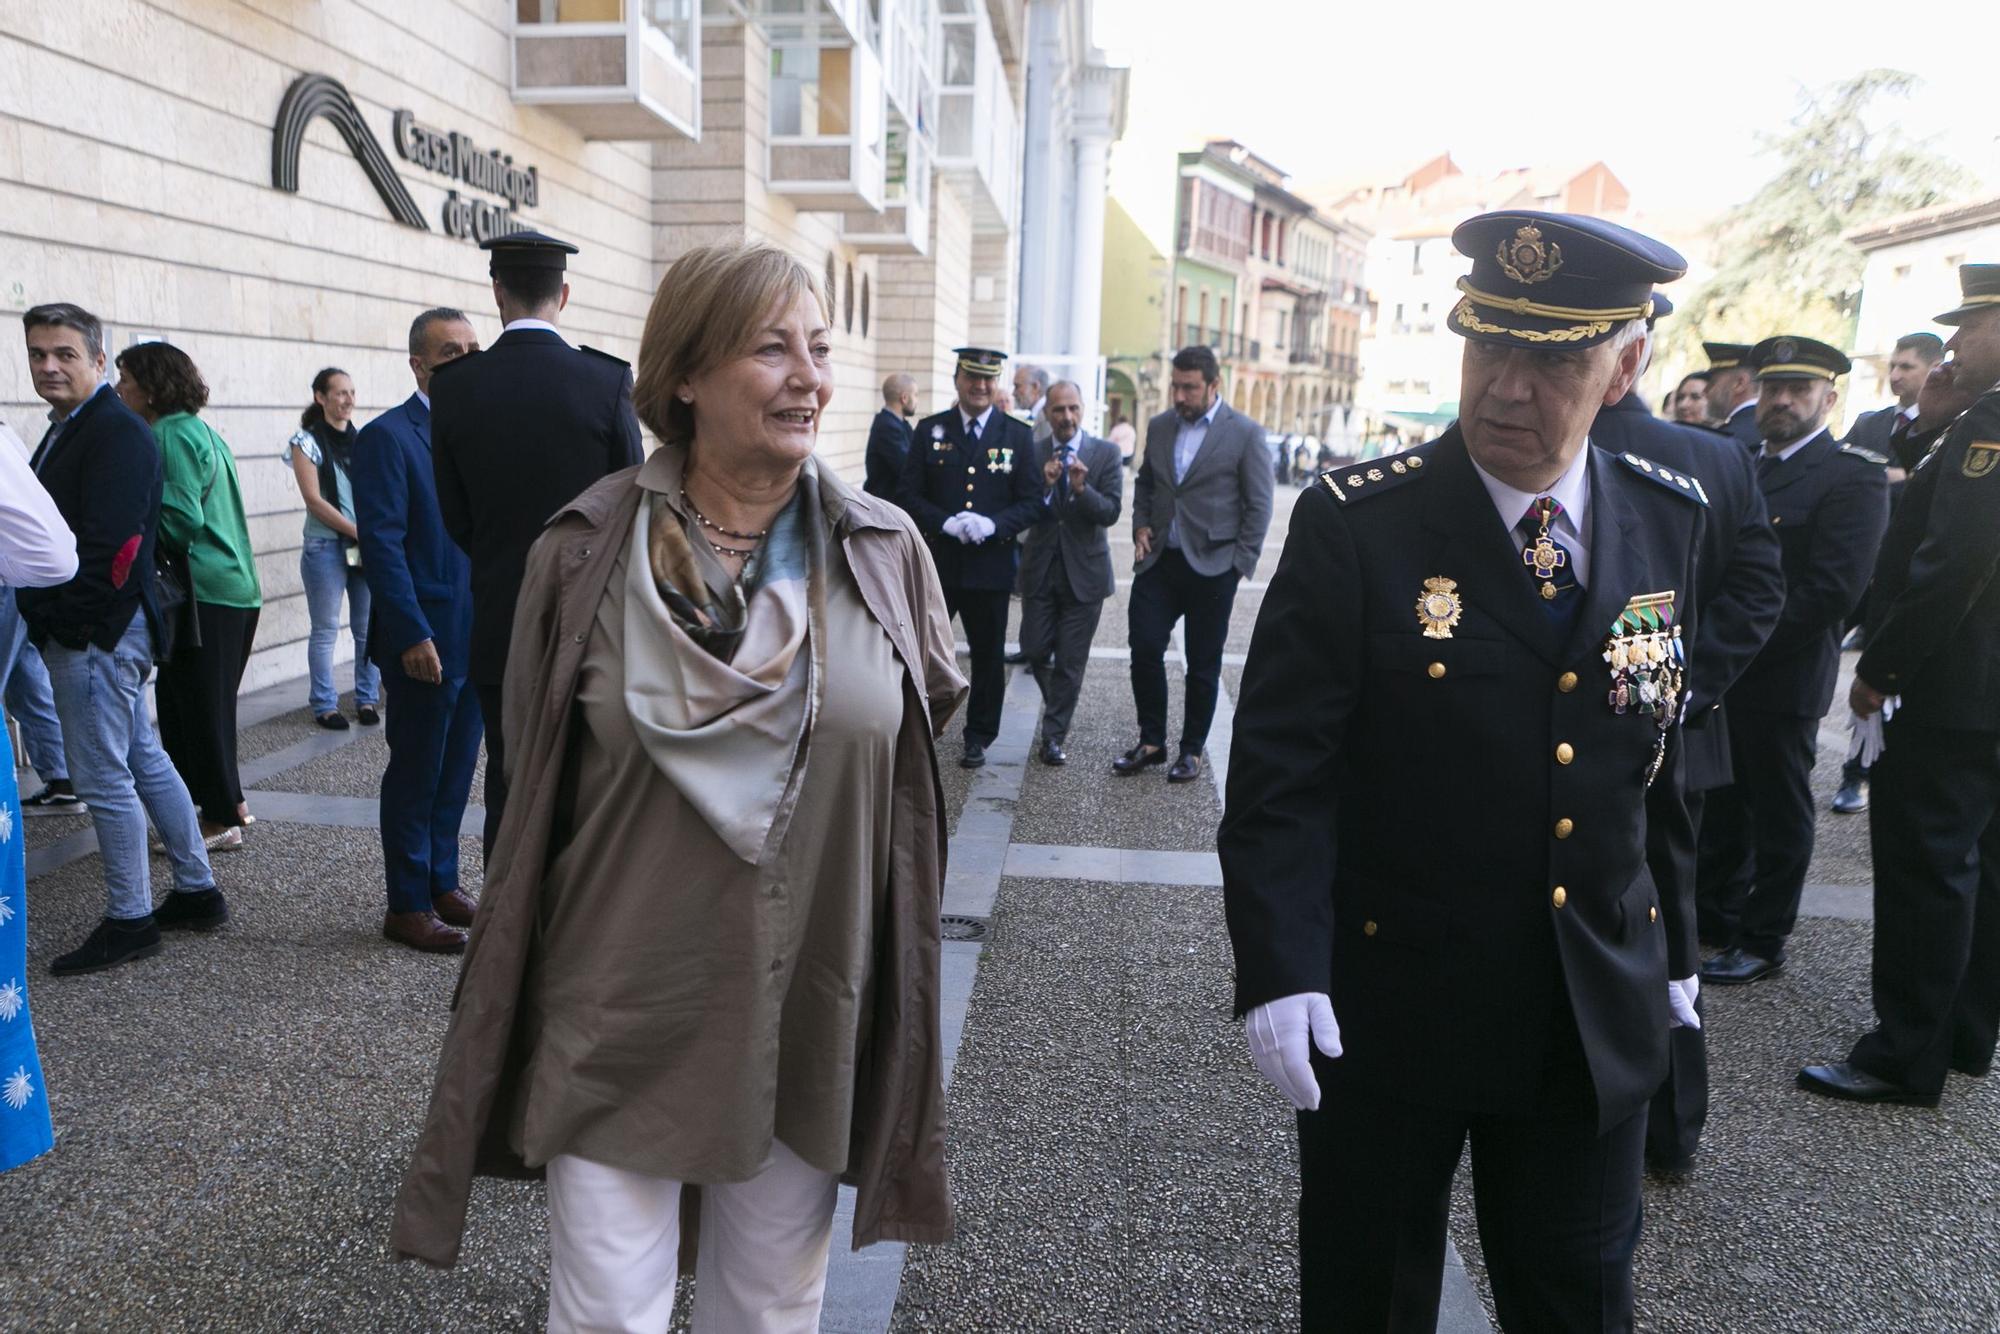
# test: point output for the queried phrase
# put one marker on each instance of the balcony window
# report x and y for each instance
(613, 69)
(827, 126)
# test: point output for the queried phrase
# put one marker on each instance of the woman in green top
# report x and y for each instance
(201, 517)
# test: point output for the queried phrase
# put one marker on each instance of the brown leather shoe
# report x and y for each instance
(423, 931)
(456, 908)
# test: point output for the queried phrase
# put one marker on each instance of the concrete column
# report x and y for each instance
(1093, 154)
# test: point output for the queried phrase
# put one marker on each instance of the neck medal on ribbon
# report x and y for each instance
(1542, 553)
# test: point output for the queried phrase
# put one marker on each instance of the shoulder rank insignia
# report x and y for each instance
(597, 352)
(1375, 475)
(1685, 483)
(1866, 455)
(1981, 458)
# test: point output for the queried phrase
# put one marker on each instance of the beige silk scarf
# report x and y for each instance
(721, 677)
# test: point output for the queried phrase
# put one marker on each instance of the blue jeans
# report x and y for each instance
(327, 575)
(120, 769)
(27, 696)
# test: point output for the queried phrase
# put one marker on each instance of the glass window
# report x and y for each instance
(571, 11)
(960, 44)
(955, 125)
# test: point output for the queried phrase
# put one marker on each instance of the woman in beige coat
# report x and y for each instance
(707, 954)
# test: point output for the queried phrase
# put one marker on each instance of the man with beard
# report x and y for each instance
(1732, 392)
(1829, 504)
(1934, 640)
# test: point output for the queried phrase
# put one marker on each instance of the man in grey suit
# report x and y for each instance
(1200, 507)
(1066, 559)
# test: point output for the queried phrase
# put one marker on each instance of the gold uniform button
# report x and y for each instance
(1566, 682)
(1564, 827)
(1368, 928)
(968, 504)
(1436, 670)
(1652, 914)
(1560, 897)
(1565, 752)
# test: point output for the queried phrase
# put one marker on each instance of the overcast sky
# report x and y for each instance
(1672, 97)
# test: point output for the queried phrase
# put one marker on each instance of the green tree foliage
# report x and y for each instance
(1782, 265)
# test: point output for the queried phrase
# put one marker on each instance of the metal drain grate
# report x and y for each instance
(966, 928)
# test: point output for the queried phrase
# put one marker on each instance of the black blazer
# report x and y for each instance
(888, 443)
(103, 472)
(1829, 505)
(1074, 523)
(517, 432)
(1871, 429)
(944, 474)
(1741, 582)
(1400, 831)
(1742, 425)
(1934, 608)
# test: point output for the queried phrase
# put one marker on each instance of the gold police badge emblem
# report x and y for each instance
(1526, 259)
(1438, 608)
(1981, 458)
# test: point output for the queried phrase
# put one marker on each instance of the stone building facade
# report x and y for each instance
(280, 187)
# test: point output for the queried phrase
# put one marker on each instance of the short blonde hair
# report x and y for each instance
(709, 306)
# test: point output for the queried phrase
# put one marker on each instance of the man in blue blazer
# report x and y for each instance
(889, 437)
(420, 634)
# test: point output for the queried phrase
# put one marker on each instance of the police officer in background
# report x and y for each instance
(971, 484)
(1732, 392)
(1934, 640)
(517, 432)
(1466, 672)
(1741, 589)
(1829, 503)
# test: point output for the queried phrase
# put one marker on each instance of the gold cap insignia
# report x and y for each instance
(1526, 259)
(1438, 607)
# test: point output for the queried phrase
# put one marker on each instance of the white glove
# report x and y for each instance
(979, 526)
(1864, 738)
(1282, 1036)
(957, 525)
(1680, 1003)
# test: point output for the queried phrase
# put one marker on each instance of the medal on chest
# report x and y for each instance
(999, 460)
(1438, 607)
(1648, 662)
(939, 445)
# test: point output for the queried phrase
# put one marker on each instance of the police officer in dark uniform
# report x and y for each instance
(1732, 392)
(1934, 640)
(1829, 503)
(970, 482)
(1741, 589)
(517, 432)
(1466, 672)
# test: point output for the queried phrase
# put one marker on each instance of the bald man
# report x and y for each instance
(889, 436)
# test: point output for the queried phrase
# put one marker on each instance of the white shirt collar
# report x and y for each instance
(1792, 448)
(424, 399)
(1908, 414)
(1750, 403)
(57, 420)
(512, 325)
(1571, 491)
(982, 419)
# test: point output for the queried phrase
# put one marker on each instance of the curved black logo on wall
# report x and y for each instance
(315, 95)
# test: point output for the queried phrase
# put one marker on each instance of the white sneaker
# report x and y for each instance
(228, 840)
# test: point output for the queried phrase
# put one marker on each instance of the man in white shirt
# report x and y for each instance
(25, 513)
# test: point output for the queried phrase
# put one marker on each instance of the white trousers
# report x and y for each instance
(614, 1249)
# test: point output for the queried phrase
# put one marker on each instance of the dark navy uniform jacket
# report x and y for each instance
(420, 582)
(945, 474)
(1829, 504)
(882, 465)
(1742, 586)
(517, 432)
(1447, 835)
(1934, 610)
(1742, 427)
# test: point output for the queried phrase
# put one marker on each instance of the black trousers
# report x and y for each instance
(1757, 838)
(1055, 622)
(196, 695)
(1167, 592)
(983, 613)
(1679, 1111)
(1556, 1201)
(1934, 829)
(495, 795)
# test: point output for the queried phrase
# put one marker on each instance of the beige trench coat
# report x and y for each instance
(897, 1160)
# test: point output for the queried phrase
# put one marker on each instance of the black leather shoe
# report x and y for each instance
(332, 722)
(366, 716)
(1852, 799)
(1052, 753)
(1016, 658)
(111, 944)
(1736, 967)
(1845, 1081)
(1671, 1171)
(1186, 769)
(199, 910)
(974, 756)
(1971, 1067)
(1137, 758)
